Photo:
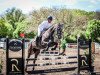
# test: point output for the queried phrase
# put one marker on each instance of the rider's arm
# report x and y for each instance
(40, 28)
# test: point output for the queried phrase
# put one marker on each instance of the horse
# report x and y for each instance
(49, 38)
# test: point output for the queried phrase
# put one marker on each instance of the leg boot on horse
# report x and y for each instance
(50, 44)
(55, 45)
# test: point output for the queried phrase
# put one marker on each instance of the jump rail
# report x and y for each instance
(53, 58)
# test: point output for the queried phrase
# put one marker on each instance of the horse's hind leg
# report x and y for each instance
(35, 57)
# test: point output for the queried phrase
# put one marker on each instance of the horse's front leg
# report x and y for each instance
(29, 54)
(55, 44)
(63, 53)
(50, 44)
(35, 57)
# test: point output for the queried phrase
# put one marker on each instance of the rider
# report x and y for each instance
(43, 27)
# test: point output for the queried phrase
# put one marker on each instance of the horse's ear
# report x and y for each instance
(62, 25)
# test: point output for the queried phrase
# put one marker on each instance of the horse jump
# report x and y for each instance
(78, 57)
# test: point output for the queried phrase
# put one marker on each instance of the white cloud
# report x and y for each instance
(24, 5)
(28, 5)
(91, 6)
(69, 2)
(93, 1)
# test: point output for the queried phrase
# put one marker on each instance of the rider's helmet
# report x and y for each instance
(50, 18)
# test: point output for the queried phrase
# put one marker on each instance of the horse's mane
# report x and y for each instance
(49, 31)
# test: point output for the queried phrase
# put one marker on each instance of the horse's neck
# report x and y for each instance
(50, 30)
(47, 34)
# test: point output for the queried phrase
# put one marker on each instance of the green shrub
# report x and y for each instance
(30, 35)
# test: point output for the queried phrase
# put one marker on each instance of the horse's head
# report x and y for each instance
(58, 30)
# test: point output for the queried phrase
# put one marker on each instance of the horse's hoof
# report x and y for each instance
(43, 50)
(53, 49)
(64, 54)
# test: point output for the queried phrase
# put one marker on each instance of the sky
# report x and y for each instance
(28, 5)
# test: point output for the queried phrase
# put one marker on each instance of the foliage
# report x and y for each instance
(13, 19)
(30, 34)
(63, 43)
(75, 22)
(93, 29)
(70, 40)
(13, 16)
(20, 29)
(3, 28)
(9, 29)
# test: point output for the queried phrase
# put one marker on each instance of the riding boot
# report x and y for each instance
(37, 40)
(40, 40)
